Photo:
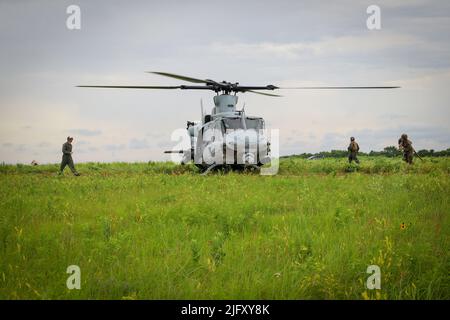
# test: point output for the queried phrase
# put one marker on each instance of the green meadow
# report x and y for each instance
(161, 231)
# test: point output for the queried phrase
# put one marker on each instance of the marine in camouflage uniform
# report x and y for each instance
(405, 145)
(67, 157)
(353, 149)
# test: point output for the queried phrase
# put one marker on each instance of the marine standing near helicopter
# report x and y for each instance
(353, 148)
(405, 145)
(67, 157)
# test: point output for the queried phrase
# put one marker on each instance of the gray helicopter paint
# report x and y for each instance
(246, 149)
(224, 103)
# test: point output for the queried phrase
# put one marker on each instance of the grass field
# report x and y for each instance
(161, 231)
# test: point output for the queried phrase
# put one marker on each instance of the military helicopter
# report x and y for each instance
(226, 137)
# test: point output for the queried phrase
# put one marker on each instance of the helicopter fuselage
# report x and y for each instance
(227, 137)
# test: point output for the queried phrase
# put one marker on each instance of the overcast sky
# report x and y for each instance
(252, 42)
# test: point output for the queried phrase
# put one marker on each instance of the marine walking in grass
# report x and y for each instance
(353, 149)
(405, 145)
(67, 157)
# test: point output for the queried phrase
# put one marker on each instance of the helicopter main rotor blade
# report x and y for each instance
(133, 87)
(351, 87)
(264, 94)
(182, 87)
(180, 77)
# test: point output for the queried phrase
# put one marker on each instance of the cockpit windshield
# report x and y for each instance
(236, 123)
(254, 123)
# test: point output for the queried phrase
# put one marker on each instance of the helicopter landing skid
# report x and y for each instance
(211, 167)
(254, 167)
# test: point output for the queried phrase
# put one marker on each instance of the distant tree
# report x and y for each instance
(391, 151)
(423, 153)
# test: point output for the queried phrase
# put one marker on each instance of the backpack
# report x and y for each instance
(353, 147)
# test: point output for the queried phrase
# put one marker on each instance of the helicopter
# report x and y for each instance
(226, 137)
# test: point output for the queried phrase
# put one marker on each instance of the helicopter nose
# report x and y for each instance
(248, 158)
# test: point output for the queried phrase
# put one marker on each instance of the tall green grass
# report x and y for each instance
(161, 231)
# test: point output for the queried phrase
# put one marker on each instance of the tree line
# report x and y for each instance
(390, 151)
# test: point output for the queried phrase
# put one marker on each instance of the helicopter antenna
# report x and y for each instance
(244, 124)
(202, 111)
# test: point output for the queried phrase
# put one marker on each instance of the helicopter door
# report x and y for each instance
(210, 146)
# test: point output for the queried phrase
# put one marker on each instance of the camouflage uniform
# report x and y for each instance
(406, 146)
(67, 158)
(353, 148)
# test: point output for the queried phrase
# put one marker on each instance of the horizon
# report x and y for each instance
(362, 154)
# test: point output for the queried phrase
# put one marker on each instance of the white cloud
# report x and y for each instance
(365, 43)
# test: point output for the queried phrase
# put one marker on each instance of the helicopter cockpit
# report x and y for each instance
(235, 123)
